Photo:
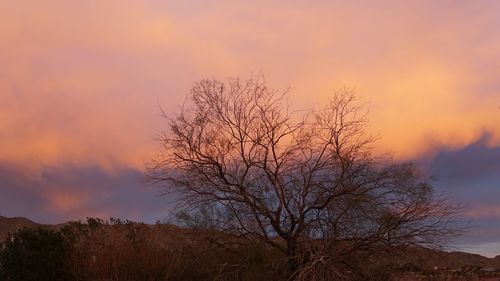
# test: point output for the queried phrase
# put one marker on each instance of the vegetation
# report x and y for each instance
(124, 250)
(266, 195)
(307, 185)
(127, 251)
(34, 255)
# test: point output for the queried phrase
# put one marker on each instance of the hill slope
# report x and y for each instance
(424, 258)
(10, 225)
(13, 224)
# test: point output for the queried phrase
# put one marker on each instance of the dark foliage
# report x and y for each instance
(122, 250)
(34, 254)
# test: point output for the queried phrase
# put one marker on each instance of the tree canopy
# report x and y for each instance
(307, 183)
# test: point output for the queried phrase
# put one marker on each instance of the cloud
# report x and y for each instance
(488, 249)
(56, 194)
(470, 172)
(471, 176)
(80, 81)
(80, 84)
(481, 238)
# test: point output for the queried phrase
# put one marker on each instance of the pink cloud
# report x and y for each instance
(484, 212)
(80, 81)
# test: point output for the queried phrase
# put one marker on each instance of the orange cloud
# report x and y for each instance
(484, 212)
(80, 81)
(63, 203)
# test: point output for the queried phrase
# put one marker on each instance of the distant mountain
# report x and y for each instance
(428, 259)
(11, 225)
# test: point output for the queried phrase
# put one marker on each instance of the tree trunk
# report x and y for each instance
(291, 253)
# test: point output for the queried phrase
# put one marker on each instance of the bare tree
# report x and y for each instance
(308, 185)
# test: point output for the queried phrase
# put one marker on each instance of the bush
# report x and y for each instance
(33, 254)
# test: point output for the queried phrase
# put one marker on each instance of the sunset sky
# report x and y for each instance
(81, 83)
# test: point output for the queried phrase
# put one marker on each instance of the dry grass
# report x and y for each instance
(131, 251)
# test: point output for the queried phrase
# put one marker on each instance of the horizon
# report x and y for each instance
(82, 83)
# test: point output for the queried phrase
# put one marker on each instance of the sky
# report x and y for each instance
(81, 84)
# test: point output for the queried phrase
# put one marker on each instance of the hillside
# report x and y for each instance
(423, 258)
(428, 259)
(13, 224)
(10, 225)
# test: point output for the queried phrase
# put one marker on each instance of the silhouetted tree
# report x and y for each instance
(308, 185)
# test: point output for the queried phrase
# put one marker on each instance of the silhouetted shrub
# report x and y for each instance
(34, 254)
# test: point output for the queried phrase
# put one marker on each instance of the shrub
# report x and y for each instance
(33, 254)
